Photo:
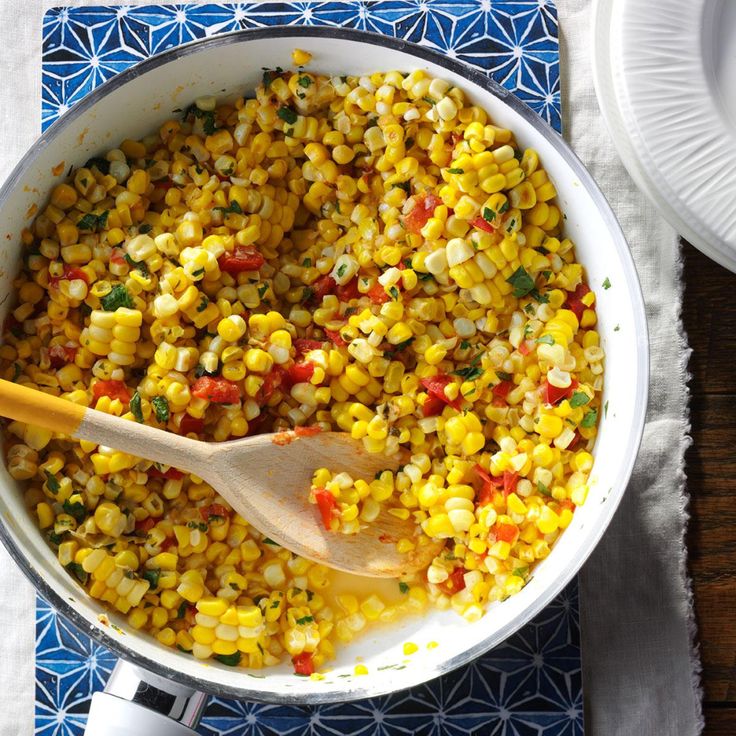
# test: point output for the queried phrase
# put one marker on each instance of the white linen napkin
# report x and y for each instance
(640, 667)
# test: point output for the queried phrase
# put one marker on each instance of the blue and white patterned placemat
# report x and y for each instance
(531, 685)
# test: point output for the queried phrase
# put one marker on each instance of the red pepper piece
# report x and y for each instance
(574, 300)
(322, 287)
(435, 385)
(506, 533)
(303, 345)
(454, 583)
(554, 394)
(146, 525)
(271, 382)
(377, 294)
(61, 355)
(423, 209)
(216, 389)
(70, 274)
(243, 258)
(170, 474)
(299, 373)
(189, 424)
(433, 406)
(303, 664)
(336, 338)
(346, 292)
(482, 224)
(501, 391)
(113, 389)
(327, 504)
(214, 509)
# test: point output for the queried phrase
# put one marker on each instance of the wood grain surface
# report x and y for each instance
(709, 316)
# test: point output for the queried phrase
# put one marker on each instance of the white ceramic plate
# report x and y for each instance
(665, 75)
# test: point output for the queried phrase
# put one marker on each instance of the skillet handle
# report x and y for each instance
(139, 703)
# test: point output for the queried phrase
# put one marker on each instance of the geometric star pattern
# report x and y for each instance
(531, 684)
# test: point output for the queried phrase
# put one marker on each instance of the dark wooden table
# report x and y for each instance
(709, 314)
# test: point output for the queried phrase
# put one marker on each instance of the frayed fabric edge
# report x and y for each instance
(696, 667)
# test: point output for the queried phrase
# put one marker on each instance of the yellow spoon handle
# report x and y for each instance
(35, 407)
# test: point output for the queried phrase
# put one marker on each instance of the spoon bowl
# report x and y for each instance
(265, 478)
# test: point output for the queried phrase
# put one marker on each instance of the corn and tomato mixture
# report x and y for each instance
(372, 255)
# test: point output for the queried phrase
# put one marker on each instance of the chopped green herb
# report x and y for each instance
(546, 340)
(488, 214)
(394, 292)
(617, 328)
(152, 576)
(181, 649)
(77, 510)
(307, 263)
(341, 269)
(304, 620)
(464, 345)
(160, 406)
(541, 488)
(471, 371)
(78, 571)
(135, 407)
(270, 74)
(118, 297)
(268, 540)
(17, 370)
(520, 572)
(101, 164)
(201, 525)
(590, 419)
(276, 603)
(429, 100)
(579, 398)
(503, 208)
(605, 409)
(424, 276)
(231, 660)
(403, 587)
(546, 275)
(455, 171)
(522, 282)
(198, 272)
(140, 265)
(232, 208)
(93, 222)
(405, 185)
(287, 115)
(305, 82)
(307, 294)
(56, 539)
(503, 375)
(203, 304)
(408, 143)
(52, 483)
(606, 283)
(145, 228)
(403, 345)
(262, 289)
(181, 611)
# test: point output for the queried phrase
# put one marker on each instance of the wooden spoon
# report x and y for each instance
(265, 478)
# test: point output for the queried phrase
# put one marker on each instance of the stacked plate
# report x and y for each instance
(665, 74)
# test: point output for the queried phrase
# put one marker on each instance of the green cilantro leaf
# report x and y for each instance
(152, 576)
(118, 297)
(78, 572)
(394, 292)
(203, 304)
(341, 269)
(232, 208)
(181, 611)
(590, 419)
(488, 214)
(135, 407)
(101, 164)
(579, 398)
(403, 587)
(455, 171)
(541, 488)
(304, 620)
(160, 406)
(606, 283)
(231, 660)
(305, 82)
(546, 339)
(93, 222)
(142, 266)
(52, 482)
(77, 510)
(522, 282)
(405, 185)
(503, 375)
(287, 115)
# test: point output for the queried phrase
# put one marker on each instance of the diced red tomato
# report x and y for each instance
(501, 390)
(432, 406)
(482, 224)
(423, 209)
(214, 509)
(243, 258)
(168, 542)
(505, 533)
(574, 300)
(322, 287)
(146, 525)
(299, 373)
(574, 442)
(70, 274)
(336, 338)
(454, 583)
(510, 479)
(491, 484)
(303, 345)
(113, 389)
(191, 424)
(346, 292)
(377, 294)
(435, 386)
(327, 504)
(117, 257)
(303, 663)
(216, 389)
(170, 474)
(554, 394)
(61, 355)
(271, 381)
